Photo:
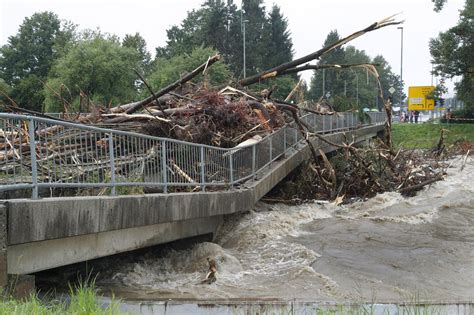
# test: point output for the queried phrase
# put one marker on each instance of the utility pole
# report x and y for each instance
(401, 64)
(242, 25)
(324, 82)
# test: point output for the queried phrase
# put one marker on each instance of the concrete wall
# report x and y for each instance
(51, 232)
(36, 256)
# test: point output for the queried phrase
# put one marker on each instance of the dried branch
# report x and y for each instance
(271, 73)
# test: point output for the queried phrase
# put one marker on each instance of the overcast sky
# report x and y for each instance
(309, 22)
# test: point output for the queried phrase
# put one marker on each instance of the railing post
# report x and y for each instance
(284, 139)
(254, 159)
(203, 175)
(34, 169)
(112, 163)
(231, 169)
(271, 148)
(163, 166)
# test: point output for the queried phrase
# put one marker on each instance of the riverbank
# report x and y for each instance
(82, 300)
(426, 136)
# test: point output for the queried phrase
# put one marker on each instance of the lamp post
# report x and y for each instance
(357, 87)
(324, 82)
(401, 63)
(242, 25)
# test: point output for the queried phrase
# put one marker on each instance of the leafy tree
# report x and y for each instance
(439, 4)
(335, 81)
(208, 26)
(28, 56)
(352, 88)
(217, 24)
(254, 13)
(99, 70)
(452, 53)
(138, 43)
(277, 39)
(169, 70)
(4, 90)
(387, 80)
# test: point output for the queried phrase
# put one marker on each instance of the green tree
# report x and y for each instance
(28, 56)
(138, 43)
(207, 26)
(167, 71)
(99, 70)
(355, 87)
(439, 4)
(335, 81)
(387, 80)
(277, 39)
(4, 90)
(453, 55)
(218, 24)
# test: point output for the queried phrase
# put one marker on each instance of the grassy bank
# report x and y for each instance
(426, 136)
(83, 301)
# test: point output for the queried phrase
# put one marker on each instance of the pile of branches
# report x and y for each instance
(222, 118)
(356, 173)
(212, 116)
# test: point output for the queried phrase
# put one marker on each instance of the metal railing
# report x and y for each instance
(38, 153)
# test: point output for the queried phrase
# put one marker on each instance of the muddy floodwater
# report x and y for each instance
(386, 249)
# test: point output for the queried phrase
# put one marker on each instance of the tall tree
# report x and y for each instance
(138, 43)
(28, 56)
(166, 71)
(453, 55)
(278, 47)
(97, 70)
(254, 19)
(219, 24)
(334, 80)
(352, 88)
(387, 80)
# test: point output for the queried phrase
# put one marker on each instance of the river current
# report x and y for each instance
(386, 249)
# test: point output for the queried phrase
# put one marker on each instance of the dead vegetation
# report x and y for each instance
(359, 173)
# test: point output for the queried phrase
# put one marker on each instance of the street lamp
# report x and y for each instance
(401, 63)
(242, 26)
(357, 87)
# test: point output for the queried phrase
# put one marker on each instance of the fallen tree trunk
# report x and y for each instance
(292, 64)
(137, 105)
(320, 67)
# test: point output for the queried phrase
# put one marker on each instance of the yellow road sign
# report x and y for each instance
(421, 98)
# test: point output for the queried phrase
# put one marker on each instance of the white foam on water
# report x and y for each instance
(256, 253)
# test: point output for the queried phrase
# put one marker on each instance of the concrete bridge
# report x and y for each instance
(45, 232)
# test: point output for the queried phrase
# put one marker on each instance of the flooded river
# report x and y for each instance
(386, 249)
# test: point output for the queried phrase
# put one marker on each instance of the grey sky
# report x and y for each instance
(309, 22)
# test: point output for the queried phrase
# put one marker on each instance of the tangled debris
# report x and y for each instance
(355, 173)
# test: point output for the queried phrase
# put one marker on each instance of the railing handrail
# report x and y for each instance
(225, 159)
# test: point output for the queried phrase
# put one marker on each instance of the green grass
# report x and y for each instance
(426, 136)
(83, 301)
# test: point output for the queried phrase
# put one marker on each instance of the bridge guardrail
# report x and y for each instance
(69, 155)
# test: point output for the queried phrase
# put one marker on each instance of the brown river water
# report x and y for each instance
(387, 249)
(278, 259)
